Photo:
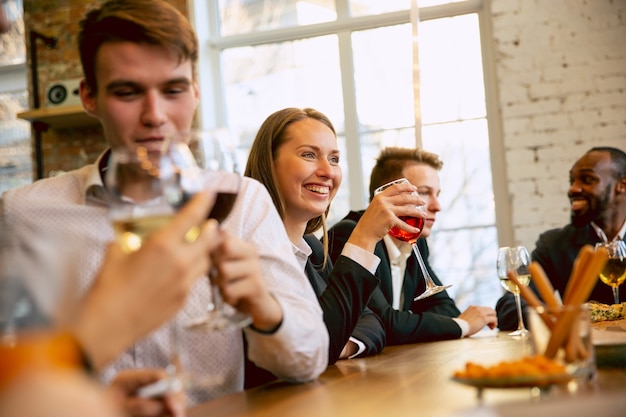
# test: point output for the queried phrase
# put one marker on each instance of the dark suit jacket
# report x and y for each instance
(420, 321)
(556, 251)
(343, 291)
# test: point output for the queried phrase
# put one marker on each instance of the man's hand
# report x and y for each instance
(126, 384)
(241, 283)
(479, 317)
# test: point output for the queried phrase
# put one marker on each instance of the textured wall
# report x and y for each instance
(561, 74)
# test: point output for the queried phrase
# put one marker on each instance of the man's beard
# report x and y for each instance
(596, 206)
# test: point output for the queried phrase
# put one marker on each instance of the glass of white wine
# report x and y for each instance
(145, 191)
(614, 272)
(514, 259)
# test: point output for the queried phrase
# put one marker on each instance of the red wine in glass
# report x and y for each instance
(224, 203)
(431, 287)
(403, 235)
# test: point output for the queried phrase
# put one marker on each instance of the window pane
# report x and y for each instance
(427, 3)
(451, 70)
(370, 7)
(383, 78)
(466, 195)
(245, 16)
(467, 260)
(263, 79)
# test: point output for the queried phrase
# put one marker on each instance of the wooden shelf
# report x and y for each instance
(60, 117)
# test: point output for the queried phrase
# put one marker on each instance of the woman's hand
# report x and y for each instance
(383, 213)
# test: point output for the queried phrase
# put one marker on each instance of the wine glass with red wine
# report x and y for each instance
(208, 160)
(431, 287)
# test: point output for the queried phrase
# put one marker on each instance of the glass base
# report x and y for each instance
(218, 321)
(520, 333)
(431, 291)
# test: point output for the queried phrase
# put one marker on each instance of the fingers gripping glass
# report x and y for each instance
(214, 153)
(418, 222)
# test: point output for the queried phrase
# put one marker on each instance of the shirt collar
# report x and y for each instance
(94, 190)
(302, 252)
(396, 249)
(602, 235)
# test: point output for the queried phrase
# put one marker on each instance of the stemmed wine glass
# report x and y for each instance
(144, 193)
(418, 222)
(614, 272)
(514, 259)
(214, 157)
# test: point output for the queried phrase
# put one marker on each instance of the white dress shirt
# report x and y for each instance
(72, 208)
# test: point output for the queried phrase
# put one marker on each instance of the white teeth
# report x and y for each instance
(318, 189)
(578, 204)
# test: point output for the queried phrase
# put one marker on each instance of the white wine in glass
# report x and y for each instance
(145, 191)
(514, 259)
(431, 287)
(614, 272)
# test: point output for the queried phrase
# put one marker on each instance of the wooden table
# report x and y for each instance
(401, 381)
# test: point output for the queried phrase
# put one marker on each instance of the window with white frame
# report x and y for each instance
(353, 60)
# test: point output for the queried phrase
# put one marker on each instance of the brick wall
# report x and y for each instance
(561, 75)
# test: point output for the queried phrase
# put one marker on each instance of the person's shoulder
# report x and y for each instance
(347, 223)
(254, 191)
(558, 233)
(50, 189)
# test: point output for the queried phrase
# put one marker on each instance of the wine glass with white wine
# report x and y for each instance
(514, 259)
(614, 272)
(145, 188)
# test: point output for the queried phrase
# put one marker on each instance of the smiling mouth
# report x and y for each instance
(578, 204)
(318, 189)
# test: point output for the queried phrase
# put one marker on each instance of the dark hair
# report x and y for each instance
(618, 158)
(392, 161)
(153, 22)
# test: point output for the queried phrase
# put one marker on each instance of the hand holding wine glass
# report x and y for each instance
(145, 191)
(411, 238)
(213, 153)
(514, 259)
(614, 272)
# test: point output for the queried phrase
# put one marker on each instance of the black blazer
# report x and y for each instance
(555, 251)
(343, 291)
(419, 321)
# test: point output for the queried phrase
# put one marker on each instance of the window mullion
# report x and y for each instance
(353, 140)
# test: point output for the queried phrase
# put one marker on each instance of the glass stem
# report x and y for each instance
(520, 318)
(429, 281)
(616, 294)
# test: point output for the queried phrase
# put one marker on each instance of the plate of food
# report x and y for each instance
(608, 334)
(529, 371)
(607, 316)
